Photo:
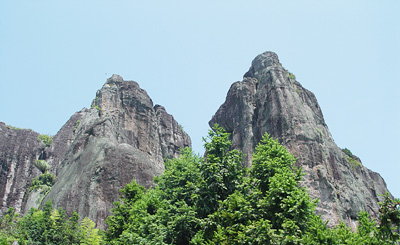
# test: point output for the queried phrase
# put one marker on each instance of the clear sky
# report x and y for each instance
(55, 55)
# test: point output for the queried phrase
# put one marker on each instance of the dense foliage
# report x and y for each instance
(210, 200)
(47, 226)
(216, 201)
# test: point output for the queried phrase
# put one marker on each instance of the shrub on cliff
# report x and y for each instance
(46, 139)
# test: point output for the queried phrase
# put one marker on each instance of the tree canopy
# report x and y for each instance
(215, 200)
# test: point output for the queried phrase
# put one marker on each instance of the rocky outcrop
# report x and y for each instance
(95, 154)
(19, 149)
(123, 136)
(269, 99)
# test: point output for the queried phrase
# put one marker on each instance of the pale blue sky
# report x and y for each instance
(55, 55)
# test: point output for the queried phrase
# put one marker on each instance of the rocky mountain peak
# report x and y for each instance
(114, 78)
(95, 154)
(262, 62)
(269, 99)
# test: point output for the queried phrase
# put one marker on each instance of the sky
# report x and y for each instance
(55, 55)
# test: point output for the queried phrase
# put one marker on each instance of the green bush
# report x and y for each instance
(76, 125)
(354, 163)
(351, 159)
(96, 106)
(46, 139)
(45, 179)
(291, 76)
(42, 165)
(347, 152)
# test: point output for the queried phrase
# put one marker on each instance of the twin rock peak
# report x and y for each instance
(124, 136)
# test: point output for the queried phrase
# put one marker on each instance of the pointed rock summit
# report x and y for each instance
(123, 136)
(269, 99)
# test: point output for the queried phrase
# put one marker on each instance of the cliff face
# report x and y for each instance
(96, 153)
(19, 148)
(269, 99)
(123, 136)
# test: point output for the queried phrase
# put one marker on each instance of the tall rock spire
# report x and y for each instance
(95, 154)
(269, 99)
(122, 137)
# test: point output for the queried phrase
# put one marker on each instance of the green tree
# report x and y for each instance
(52, 226)
(117, 222)
(283, 201)
(181, 177)
(222, 171)
(88, 233)
(163, 214)
(389, 219)
(9, 226)
(214, 201)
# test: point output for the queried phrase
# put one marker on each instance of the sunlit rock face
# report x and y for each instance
(19, 149)
(269, 99)
(95, 154)
(123, 136)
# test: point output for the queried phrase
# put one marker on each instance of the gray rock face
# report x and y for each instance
(19, 149)
(123, 136)
(269, 99)
(95, 154)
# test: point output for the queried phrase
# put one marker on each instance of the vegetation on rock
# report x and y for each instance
(42, 165)
(76, 125)
(351, 159)
(14, 128)
(46, 139)
(44, 181)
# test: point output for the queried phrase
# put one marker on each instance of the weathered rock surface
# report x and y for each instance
(123, 136)
(269, 99)
(95, 154)
(19, 149)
